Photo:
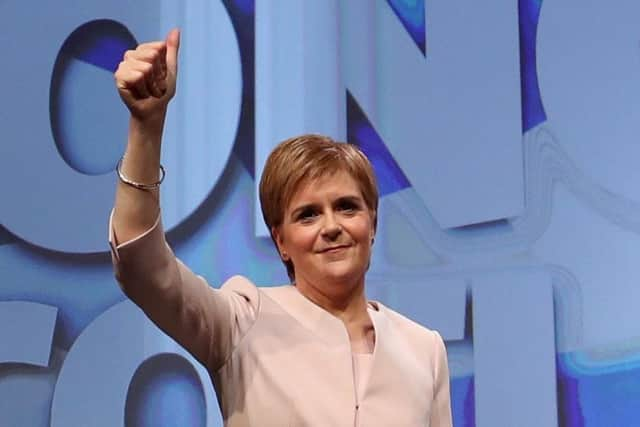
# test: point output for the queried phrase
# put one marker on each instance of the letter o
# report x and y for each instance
(48, 203)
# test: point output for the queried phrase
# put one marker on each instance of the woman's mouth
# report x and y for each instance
(334, 249)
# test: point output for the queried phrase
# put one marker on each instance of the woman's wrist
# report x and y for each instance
(150, 125)
(141, 161)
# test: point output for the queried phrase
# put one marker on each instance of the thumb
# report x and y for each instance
(173, 44)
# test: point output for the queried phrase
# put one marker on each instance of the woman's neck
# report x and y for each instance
(348, 304)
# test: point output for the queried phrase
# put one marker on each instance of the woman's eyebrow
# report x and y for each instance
(349, 198)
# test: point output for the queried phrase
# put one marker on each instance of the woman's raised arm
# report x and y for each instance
(146, 82)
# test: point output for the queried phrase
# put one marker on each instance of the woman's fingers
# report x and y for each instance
(172, 46)
(146, 78)
(143, 71)
(130, 77)
(161, 61)
(160, 72)
(156, 75)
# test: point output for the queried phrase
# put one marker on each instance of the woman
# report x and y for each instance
(312, 353)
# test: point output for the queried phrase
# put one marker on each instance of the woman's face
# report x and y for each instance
(327, 232)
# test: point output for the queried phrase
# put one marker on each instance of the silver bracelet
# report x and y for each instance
(138, 185)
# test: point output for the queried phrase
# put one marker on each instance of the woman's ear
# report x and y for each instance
(277, 238)
(374, 224)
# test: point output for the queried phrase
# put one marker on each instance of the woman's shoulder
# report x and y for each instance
(238, 283)
(245, 287)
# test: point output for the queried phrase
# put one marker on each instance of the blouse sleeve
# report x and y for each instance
(207, 322)
(441, 407)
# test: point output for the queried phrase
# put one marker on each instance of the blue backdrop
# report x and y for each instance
(504, 139)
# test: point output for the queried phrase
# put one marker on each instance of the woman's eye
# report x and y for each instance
(306, 215)
(348, 207)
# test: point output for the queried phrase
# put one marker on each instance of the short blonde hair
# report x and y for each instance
(308, 157)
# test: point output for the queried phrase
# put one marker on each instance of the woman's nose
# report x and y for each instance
(331, 228)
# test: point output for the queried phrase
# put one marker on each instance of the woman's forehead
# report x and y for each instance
(338, 183)
(338, 177)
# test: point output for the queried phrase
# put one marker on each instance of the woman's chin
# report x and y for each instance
(341, 275)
